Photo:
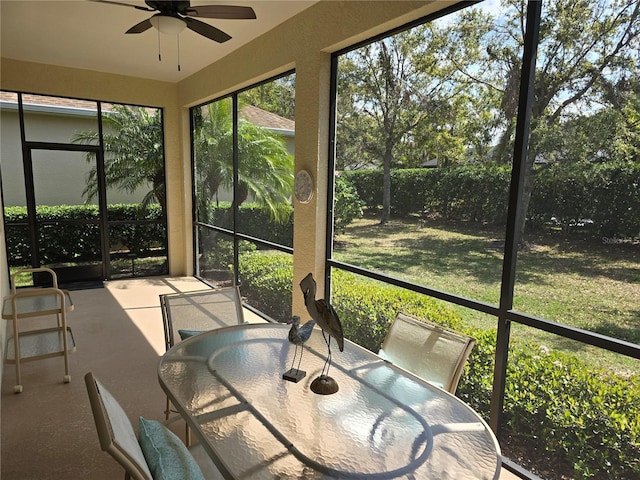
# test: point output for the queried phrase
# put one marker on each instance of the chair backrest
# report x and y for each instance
(200, 311)
(115, 431)
(429, 351)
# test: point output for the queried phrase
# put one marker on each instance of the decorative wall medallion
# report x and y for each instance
(303, 186)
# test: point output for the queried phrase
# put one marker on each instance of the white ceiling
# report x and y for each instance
(90, 35)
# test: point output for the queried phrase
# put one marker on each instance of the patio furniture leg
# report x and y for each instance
(16, 348)
(65, 340)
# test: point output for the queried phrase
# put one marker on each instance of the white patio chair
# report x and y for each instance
(155, 453)
(189, 313)
(199, 311)
(429, 351)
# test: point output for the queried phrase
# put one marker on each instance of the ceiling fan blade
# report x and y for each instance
(222, 11)
(206, 30)
(110, 2)
(143, 26)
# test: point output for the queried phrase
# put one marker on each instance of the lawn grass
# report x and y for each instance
(568, 278)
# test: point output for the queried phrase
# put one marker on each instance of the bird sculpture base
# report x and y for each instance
(324, 385)
(294, 375)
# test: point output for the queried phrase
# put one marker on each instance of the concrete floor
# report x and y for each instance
(48, 431)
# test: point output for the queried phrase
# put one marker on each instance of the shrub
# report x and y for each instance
(561, 195)
(134, 228)
(265, 280)
(347, 204)
(219, 254)
(477, 193)
(606, 194)
(141, 230)
(409, 190)
(368, 184)
(615, 189)
(587, 416)
(365, 309)
(255, 221)
(476, 383)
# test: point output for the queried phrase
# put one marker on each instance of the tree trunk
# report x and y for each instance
(527, 190)
(501, 153)
(386, 188)
(509, 107)
(527, 186)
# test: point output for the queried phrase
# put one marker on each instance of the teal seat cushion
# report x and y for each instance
(184, 334)
(166, 455)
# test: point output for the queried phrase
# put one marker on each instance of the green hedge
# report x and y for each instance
(60, 242)
(265, 281)
(606, 194)
(477, 193)
(367, 308)
(587, 418)
(255, 221)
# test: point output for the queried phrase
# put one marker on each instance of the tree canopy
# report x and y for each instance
(448, 90)
(276, 96)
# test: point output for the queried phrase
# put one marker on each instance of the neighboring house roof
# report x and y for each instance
(433, 163)
(269, 120)
(51, 105)
(45, 100)
(62, 105)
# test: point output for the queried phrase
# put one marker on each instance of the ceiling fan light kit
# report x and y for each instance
(167, 24)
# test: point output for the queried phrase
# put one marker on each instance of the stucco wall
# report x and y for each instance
(4, 288)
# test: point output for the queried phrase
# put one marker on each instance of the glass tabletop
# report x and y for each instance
(382, 423)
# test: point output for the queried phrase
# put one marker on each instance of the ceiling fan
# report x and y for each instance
(174, 15)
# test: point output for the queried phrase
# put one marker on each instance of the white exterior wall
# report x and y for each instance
(63, 173)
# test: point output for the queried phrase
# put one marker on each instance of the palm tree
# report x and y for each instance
(265, 168)
(133, 153)
(134, 157)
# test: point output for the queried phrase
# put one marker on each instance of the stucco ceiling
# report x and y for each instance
(90, 35)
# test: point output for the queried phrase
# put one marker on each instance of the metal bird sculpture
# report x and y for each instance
(327, 319)
(298, 335)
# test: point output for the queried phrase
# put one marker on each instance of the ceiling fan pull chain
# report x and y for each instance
(159, 56)
(178, 40)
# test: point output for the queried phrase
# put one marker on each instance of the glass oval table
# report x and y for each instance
(382, 423)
